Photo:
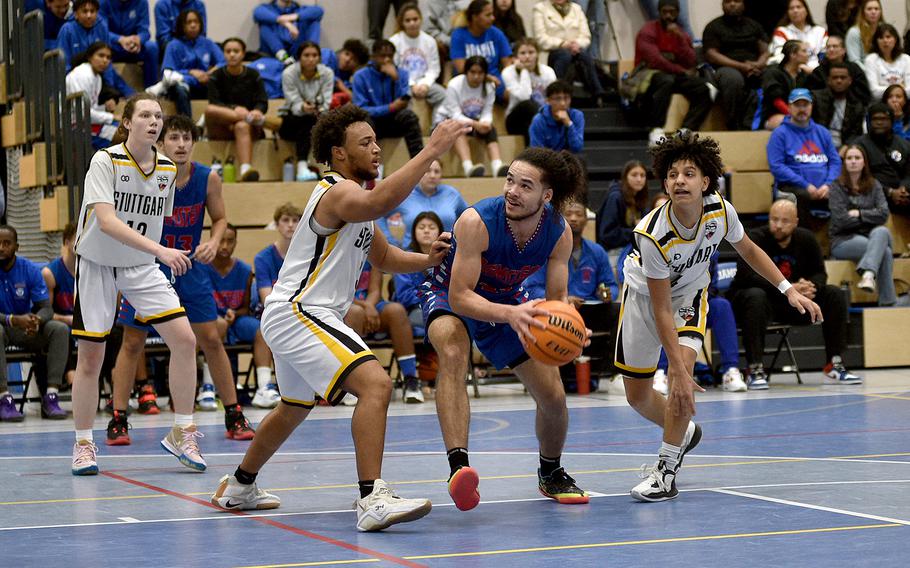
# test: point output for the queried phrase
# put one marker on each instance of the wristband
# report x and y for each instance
(784, 286)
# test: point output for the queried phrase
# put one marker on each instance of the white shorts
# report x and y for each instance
(314, 352)
(638, 344)
(95, 304)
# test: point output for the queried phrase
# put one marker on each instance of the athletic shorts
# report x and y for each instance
(97, 285)
(195, 292)
(637, 343)
(243, 330)
(498, 342)
(314, 352)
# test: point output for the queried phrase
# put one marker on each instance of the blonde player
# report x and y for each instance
(665, 296)
(129, 190)
(315, 353)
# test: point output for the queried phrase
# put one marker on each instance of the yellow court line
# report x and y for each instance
(596, 545)
(891, 396)
(86, 499)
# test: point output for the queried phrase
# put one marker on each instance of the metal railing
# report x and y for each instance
(12, 44)
(55, 129)
(31, 73)
(77, 147)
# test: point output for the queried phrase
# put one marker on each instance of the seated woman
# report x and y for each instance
(284, 25)
(887, 64)
(798, 24)
(625, 205)
(859, 211)
(858, 40)
(526, 84)
(480, 36)
(507, 19)
(778, 80)
(896, 98)
(307, 87)
(88, 67)
(237, 105)
(469, 99)
(426, 228)
(417, 53)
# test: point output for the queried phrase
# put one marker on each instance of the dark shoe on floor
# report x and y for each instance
(560, 486)
(118, 430)
(8, 410)
(238, 427)
(148, 400)
(50, 407)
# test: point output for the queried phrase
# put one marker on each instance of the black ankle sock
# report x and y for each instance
(366, 487)
(548, 465)
(458, 458)
(245, 477)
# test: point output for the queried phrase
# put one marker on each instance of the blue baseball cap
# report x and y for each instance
(799, 95)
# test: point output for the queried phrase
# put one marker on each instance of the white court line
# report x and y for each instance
(129, 519)
(228, 516)
(813, 507)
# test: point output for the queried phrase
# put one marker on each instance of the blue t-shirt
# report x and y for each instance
(21, 287)
(64, 291)
(593, 269)
(447, 202)
(230, 289)
(201, 53)
(267, 264)
(183, 229)
(492, 46)
(126, 18)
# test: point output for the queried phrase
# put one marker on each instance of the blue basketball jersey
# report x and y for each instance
(183, 229)
(229, 290)
(64, 290)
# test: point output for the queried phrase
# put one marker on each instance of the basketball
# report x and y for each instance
(564, 337)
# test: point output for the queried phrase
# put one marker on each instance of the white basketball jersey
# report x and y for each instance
(661, 252)
(323, 270)
(141, 200)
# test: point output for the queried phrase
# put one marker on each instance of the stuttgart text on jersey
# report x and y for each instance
(137, 204)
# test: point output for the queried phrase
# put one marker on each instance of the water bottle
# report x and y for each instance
(230, 172)
(287, 171)
(216, 167)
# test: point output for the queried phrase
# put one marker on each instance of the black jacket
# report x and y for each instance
(859, 89)
(890, 163)
(776, 83)
(823, 112)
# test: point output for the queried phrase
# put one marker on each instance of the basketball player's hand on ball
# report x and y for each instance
(440, 248)
(521, 318)
(804, 305)
(445, 134)
(177, 260)
(681, 398)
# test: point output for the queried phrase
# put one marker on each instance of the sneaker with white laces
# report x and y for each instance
(660, 382)
(757, 379)
(84, 458)
(206, 398)
(867, 282)
(267, 396)
(235, 496)
(412, 392)
(659, 484)
(837, 374)
(733, 381)
(182, 444)
(383, 508)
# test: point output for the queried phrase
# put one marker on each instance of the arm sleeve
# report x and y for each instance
(839, 204)
(260, 96)
(583, 40)
(361, 96)
(576, 138)
(217, 55)
(457, 47)
(434, 67)
(452, 102)
(406, 290)
(99, 181)
(486, 114)
(546, 42)
(877, 215)
(43, 309)
(265, 14)
(144, 23)
(214, 89)
(290, 87)
(503, 48)
(538, 132)
(37, 287)
(518, 84)
(261, 270)
(854, 45)
(164, 23)
(402, 85)
(834, 161)
(613, 233)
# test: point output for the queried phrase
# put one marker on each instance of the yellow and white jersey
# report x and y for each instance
(141, 200)
(322, 267)
(664, 249)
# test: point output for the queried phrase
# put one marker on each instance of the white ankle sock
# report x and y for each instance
(244, 168)
(52, 390)
(467, 165)
(495, 165)
(263, 376)
(207, 375)
(183, 420)
(84, 435)
(670, 454)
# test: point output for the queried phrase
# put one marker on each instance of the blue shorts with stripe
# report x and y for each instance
(196, 296)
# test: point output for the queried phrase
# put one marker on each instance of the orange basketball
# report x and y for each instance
(564, 337)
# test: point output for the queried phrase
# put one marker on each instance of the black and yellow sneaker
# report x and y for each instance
(118, 430)
(560, 486)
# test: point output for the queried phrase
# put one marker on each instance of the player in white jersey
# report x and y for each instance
(315, 353)
(129, 189)
(665, 297)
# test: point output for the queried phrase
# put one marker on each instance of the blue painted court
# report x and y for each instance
(805, 475)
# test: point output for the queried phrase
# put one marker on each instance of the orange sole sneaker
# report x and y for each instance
(463, 488)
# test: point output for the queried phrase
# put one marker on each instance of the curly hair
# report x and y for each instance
(330, 130)
(562, 171)
(688, 145)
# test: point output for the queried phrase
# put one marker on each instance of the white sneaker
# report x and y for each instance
(413, 395)
(867, 282)
(267, 396)
(159, 89)
(383, 508)
(733, 381)
(206, 398)
(660, 382)
(84, 458)
(304, 173)
(659, 484)
(616, 386)
(233, 495)
(181, 443)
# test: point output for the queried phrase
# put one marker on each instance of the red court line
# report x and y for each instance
(270, 522)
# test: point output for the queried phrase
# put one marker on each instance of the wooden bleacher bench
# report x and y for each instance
(679, 106)
(842, 272)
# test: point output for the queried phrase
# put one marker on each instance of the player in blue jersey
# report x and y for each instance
(198, 190)
(496, 245)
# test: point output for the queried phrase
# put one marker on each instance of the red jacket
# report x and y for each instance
(653, 41)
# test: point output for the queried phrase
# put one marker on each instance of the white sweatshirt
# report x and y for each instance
(465, 103)
(419, 56)
(882, 74)
(815, 36)
(83, 78)
(527, 85)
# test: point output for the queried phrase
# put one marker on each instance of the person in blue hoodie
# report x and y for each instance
(166, 12)
(381, 89)
(128, 30)
(82, 31)
(803, 158)
(557, 125)
(284, 25)
(55, 12)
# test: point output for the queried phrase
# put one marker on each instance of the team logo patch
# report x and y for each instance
(710, 229)
(162, 183)
(687, 313)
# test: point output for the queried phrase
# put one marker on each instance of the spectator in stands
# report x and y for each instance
(888, 156)
(663, 46)
(85, 77)
(526, 83)
(737, 47)
(779, 80)
(83, 30)
(416, 53)
(802, 157)
(268, 261)
(188, 60)
(60, 278)
(426, 228)
(756, 303)
(166, 14)
(237, 105)
(835, 107)
(557, 125)
(508, 20)
(840, 15)
(352, 56)
(440, 21)
(797, 24)
(381, 89)
(232, 281)
(626, 203)
(469, 99)
(896, 98)
(27, 319)
(836, 53)
(377, 12)
(284, 25)
(859, 37)
(270, 70)
(652, 12)
(887, 64)
(128, 27)
(481, 38)
(307, 87)
(859, 211)
(561, 27)
(443, 200)
(55, 15)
